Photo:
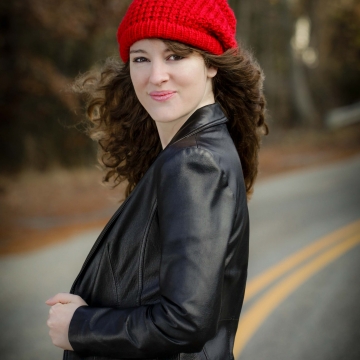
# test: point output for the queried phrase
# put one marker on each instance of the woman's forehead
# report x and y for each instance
(148, 43)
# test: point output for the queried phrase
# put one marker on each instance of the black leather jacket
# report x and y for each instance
(166, 277)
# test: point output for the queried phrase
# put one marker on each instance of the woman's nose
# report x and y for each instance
(159, 73)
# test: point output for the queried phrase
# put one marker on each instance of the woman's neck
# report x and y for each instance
(167, 130)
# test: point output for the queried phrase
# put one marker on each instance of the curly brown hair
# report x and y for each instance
(128, 136)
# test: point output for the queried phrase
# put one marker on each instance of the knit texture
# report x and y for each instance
(209, 25)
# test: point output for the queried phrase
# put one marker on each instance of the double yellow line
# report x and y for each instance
(330, 248)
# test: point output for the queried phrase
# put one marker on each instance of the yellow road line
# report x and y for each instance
(264, 279)
(251, 320)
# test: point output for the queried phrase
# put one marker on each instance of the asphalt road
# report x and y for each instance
(303, 275)
(311, 307)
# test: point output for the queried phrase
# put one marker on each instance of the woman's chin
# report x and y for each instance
(167, 119)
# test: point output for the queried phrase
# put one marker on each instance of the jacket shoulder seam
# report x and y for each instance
(196, 146)
(219, 166)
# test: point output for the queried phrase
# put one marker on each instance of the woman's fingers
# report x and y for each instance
(65, 298)
(59, 298)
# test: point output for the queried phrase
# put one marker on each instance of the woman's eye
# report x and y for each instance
(139, 59)
(175, 57)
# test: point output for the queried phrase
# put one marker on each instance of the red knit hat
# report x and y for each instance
(209, 25)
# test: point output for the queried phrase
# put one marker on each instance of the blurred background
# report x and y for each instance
(49, 185)
(308, 49)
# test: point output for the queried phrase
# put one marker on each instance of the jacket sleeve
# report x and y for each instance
(196, 209)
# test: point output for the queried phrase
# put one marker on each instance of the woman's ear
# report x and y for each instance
(211, 71)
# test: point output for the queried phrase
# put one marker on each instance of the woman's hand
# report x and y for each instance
(63, 306)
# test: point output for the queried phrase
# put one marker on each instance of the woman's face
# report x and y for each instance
(169, 87)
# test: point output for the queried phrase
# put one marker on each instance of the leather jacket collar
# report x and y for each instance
(202, 118)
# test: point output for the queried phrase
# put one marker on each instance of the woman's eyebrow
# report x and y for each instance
(138, 51)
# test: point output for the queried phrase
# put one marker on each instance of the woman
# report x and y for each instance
(180, 122)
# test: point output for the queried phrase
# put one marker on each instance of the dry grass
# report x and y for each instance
(37, 209)
(293, 149)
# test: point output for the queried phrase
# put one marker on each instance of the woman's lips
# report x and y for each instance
(162, 95)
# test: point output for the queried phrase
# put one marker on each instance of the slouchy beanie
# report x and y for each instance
(208, 25)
